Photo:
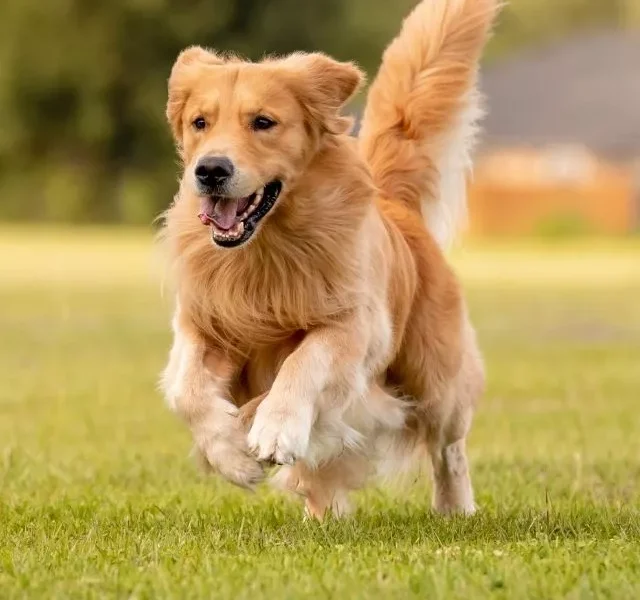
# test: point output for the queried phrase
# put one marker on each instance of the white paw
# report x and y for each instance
(281, 434)
(227, 454)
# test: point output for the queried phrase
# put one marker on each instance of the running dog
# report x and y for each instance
(317, 324)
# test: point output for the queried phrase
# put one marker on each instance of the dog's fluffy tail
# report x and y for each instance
(420, 121)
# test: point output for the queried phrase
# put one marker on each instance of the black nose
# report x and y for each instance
(213, 171)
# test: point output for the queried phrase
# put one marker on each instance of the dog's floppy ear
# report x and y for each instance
(324, 86)
(180, 81)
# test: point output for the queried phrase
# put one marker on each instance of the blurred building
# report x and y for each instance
(561, 143)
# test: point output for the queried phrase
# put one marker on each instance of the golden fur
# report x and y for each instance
(338, 327)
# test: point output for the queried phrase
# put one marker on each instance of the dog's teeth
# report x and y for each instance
(232, 234)
(253, 205)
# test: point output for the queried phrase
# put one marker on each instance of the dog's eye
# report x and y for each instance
(260, 123)
(199, 123)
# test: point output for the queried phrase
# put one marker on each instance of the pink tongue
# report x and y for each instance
(224, 212)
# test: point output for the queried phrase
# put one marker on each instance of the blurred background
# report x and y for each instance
(83, 86)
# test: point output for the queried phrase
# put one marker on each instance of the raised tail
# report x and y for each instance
(422, 110)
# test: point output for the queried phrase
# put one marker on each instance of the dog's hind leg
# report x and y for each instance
(447, 380)
(452, 491)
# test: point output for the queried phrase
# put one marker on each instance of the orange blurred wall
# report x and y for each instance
(525, 191)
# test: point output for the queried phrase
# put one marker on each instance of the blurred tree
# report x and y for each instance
(528, 21)
(83, 84)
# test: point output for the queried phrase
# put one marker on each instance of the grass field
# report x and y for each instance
(98, 497)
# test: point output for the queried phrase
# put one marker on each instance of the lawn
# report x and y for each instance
(99, 498)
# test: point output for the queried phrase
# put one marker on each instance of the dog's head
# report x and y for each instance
(246, 130)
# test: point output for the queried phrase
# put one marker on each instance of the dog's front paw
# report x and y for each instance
(281, 433)
(228, 455)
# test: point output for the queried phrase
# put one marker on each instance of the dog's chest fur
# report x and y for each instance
(257, 372)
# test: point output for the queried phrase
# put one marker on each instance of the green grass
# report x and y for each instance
(99, 498)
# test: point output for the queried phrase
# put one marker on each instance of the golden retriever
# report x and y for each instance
(317, 323)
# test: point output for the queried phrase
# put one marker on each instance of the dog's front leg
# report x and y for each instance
(195, 381)
(328, 368)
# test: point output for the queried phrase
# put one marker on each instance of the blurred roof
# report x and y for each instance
(585, 90)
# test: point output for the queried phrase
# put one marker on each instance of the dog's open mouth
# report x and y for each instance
(234, 220)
